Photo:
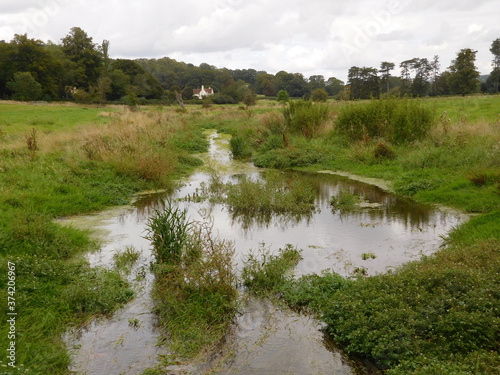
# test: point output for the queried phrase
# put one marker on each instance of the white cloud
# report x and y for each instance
(308, 37)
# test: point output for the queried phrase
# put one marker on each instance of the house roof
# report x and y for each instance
(208, 90)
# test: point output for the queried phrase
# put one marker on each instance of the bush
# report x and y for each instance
(319, 95)
(395, 120)
(305, 117)
(283, 96)
(239, 147)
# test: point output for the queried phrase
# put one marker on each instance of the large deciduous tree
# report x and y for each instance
(25, 87)
(80, 49)
(463, 78)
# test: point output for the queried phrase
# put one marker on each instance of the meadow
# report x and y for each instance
(438, 315)
(57, 161)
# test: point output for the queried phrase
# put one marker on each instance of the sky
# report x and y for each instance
(314, 37)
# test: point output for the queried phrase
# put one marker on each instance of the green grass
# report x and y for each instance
(439, 315)
(15, 118)
(83, 162)
(265, 273)
(195, 287)
(479, 108)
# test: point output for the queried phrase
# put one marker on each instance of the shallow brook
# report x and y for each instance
(385, 232)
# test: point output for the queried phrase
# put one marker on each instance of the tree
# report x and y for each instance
(80, 49)
(283, 96)
(435, 65)
(363, 82)
(187, 93)
(105, 55)
(495, 74)
(334, 86)
(264, 84)
(103, 88)
(420, 85)
(463, 78)
(316, 82)
(319, 95)
(385, 68)
(120, 84)
(25, 87)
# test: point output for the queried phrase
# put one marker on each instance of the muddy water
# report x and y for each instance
(386, 233)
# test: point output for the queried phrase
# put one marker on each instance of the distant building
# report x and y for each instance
(203, 92)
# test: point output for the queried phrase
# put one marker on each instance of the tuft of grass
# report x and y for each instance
(195, 287)
(344, 201)
(168, 230)
(127, 258)
(265, 273)
(272, 193)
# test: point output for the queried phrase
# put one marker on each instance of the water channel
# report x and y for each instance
(265, 339)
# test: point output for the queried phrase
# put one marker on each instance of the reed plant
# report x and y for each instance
(168, 230)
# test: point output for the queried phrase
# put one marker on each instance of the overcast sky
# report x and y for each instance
(312, 37)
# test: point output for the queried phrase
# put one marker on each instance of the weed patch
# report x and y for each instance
(265, 273)
(305, 117)
(259, 199)
(195, 288)
(396, 120)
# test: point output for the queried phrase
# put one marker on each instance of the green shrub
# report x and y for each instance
(313, 292)
(305, 117)
(239, 147)
(396, 120)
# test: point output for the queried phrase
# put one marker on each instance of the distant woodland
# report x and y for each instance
(80, 70)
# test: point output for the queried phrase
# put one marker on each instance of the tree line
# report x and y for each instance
(81, 70)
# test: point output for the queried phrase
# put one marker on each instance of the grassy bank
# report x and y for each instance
(58, 161)
(440, 315)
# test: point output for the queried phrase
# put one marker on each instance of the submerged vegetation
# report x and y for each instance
(259, 199)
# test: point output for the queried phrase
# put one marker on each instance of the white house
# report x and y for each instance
(203, 92)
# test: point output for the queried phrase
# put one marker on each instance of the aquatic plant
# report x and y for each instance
(265, 272)
(167, 230)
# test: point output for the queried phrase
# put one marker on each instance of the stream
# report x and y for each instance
(386, 233)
